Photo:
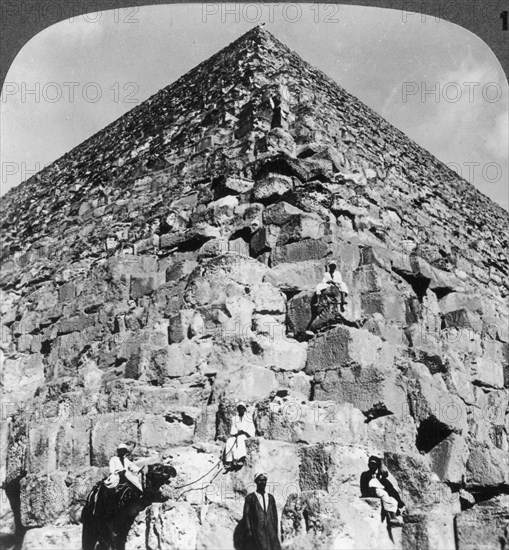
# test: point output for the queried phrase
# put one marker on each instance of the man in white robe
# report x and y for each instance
(234, 454)
(120, 466)
(332, 278)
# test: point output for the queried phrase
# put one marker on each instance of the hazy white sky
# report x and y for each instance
(435, 81)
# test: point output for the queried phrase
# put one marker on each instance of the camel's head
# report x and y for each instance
(157, 477)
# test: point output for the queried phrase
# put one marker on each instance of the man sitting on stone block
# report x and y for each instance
(329, 299)
(332, 289)
(374, 483)
(234, 454)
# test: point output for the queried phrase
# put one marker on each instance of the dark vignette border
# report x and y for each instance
(482, 17)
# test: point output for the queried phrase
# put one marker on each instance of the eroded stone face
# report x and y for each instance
(142, 306)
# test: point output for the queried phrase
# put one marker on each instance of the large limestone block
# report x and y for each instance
(172, 526)
(346, 255)
(178, 360)
(233, 184)
(396, 433)
(375, 391)
(487, 466)
(429, 531)
(333, 467)
(243, 270)
(44, 499)
(461, 319)
(264, 240)
(371, 277)
(201, 462)
(483, 526)
(179, 324)
(354, 366)
(324, 520)
(457, 377)
(420, 488)
(21, 376)
(297, 277)
(281, 354)
(414, 269)
(292, 420)
(196, 235)
(248, 382)
(299, 312)
(345, 346)
(136, 539)
(177, 427)
(449, 458)
(488, 371)
(57, 442)
(128, 265)
(296, 383)
(309, 249)
(272, 185)
(280, 213)
(389, 304)
(109, 430)
(217, 527)
(267, 299)
(80, 482)
(212, 288)
(7, 523)
(488, 418)
(141, 286)
(456, 301)
(49, 537)
(214, 247)
(429, 400)
(301, 227)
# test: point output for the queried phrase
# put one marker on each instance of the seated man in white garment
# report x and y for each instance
(332, 287)
(121, 466)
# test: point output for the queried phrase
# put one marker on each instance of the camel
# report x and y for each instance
(109, 513)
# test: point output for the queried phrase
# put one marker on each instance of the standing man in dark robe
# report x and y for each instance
(260, 518)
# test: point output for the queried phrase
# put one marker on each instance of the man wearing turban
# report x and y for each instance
(260, 517)
(234, 454)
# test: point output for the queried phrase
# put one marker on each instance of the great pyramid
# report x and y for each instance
(166, 268)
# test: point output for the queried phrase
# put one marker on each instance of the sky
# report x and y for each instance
(435, 81)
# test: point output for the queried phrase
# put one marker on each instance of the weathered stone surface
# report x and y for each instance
(300, 312)
(263, 240)
(247, 383)
(296, 277)
(44, 500)
(483, 526)
(345, 346)
(425, 491)
(449, 458)
(487, 467)
(319, 421)
(271, 186)
(280, 213)
(321, 519)
(68, 537)
(427, 531)
(166, 526)
(430, 401)
(217, 527)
